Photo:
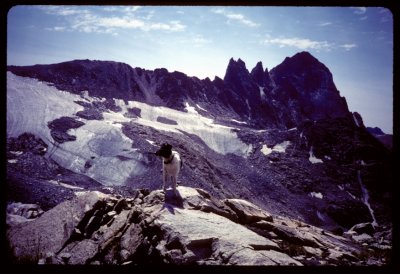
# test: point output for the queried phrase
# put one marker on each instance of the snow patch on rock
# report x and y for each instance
(281, 148)
(313, 159)
(355, 120)
(266, 150)
(317, 195)
(197, 105)
(262, 93)
(239, 122)
(190, 109)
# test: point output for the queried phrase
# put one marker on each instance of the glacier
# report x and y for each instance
(32, 104)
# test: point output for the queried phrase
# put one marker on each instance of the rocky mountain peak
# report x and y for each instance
(309, 83)
(299, 64)
(261, 76)
(261, 95)
(258, 72)
(305, 56)
(106, 79)
(239, 62)
(236, 71)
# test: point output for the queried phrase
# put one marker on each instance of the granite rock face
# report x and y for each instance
(161, 228)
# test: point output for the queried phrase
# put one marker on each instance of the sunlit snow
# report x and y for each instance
(57, 183)
(352, 196)
(355, 120)
(277, 148)
(239, 122)
(281, 147)
(190, 109)
(313, 159)
(317, 195)
(201, 108)
(248, 105)
(31, 104)
(151, 142)
(262, 93)
(365, 197)
(101, 151)
(218, 137)
(266, 150)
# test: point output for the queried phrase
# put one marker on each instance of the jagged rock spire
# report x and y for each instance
(261, 76)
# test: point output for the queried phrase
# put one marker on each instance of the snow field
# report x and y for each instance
(217, 137)
(31, 104)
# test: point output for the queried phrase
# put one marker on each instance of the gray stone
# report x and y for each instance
(363, 238)
(248, 256)
(361, 228)
(49, 232)
(201, 230)
(28, 211)
(292, 234)
(131, 240)
(13, 220)
(83, 251)
(248, 212)
(191, 228)
(349, 234)
(279, 258)
(313, 251)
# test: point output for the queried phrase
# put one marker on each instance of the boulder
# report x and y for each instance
(248, 212)
(208, 235)
(361, 228)
(12, 219)
(49, 232)
(291, 234)
(28, 211)
(363, 238)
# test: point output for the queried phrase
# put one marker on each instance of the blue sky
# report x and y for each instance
(355, 43)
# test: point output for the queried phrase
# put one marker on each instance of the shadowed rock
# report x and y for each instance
(97, 228)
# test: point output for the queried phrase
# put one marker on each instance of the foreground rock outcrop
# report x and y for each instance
(192, 228)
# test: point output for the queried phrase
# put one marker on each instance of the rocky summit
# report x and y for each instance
(299, 88)
(276, 169)
(191, 228)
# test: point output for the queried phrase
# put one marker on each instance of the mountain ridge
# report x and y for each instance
(282, 139)
(276, 103)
